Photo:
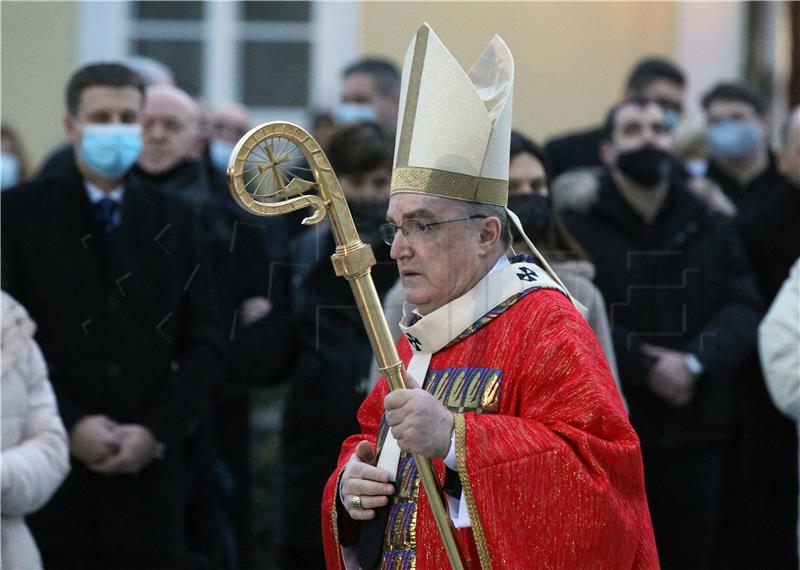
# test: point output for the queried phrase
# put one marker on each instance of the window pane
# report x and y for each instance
(275, 74)
(168, 10)
(185, 58)
(277, 11)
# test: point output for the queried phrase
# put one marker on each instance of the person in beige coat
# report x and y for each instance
(35, 456)
(779, 349)
(530, 197)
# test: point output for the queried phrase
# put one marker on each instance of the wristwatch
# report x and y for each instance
(693, 364)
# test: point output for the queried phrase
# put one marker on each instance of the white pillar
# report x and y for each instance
(220, 59)
(334, 45)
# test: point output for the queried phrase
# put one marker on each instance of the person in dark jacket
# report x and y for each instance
(767, 216)
(333, 354)
(115, 276)
(743, 165)
(684, 309)
(242, 249)
(655, 78)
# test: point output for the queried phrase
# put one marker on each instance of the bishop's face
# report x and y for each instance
(444, 261)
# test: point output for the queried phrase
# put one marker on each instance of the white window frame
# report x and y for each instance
(108, 28)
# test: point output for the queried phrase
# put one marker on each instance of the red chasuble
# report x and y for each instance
(549, 464)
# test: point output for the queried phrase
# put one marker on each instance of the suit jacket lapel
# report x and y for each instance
(81, 230)
(129, 262)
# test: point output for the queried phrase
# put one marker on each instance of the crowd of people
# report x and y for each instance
(155, 305)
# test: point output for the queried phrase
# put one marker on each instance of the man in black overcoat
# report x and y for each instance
(114, 275)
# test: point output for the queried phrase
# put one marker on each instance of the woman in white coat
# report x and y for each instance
(35, 456)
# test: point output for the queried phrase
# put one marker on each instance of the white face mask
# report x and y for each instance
(697, 168)
(220, 152)
(9, 170)
(348, 113)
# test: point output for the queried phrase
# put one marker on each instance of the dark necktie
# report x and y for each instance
(105, 211)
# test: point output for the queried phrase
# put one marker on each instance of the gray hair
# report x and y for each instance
(151, 70)
(490, 211)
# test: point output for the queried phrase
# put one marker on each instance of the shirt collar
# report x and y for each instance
(502, 262)
(96, 194)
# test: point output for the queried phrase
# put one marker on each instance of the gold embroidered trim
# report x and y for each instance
(461, 459)
(334, 514)
(450, 185)
(412, 97)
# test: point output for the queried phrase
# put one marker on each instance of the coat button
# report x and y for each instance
(113, 369)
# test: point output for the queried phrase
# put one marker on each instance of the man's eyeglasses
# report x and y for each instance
(413, 229)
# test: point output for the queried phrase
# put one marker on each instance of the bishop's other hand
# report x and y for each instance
(364, 487)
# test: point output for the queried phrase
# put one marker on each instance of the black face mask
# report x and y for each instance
(533, 211)
(646, 166)
(368, 216)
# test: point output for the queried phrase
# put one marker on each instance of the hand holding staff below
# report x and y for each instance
(364, 487)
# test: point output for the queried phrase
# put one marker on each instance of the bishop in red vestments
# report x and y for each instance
(508, 391)
(549, 464)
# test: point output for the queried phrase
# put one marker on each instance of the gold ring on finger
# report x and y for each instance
(355, 502)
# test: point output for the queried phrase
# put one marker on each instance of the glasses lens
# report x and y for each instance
(387, 231)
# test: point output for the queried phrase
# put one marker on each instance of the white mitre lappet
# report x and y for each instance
(454, 128)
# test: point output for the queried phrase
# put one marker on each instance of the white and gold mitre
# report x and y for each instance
(454, 128)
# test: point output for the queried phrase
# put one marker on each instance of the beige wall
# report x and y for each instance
(571, 58)
(37, 42)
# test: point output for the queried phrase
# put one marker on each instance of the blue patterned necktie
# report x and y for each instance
(106, 210)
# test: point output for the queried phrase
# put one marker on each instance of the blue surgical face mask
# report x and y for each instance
(9, 170)
(111, 150)
(355, 112)
(672, 118)
(697, 167)
(220, 151)
(733, 141)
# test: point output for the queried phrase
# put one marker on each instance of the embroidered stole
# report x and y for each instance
(459, 389)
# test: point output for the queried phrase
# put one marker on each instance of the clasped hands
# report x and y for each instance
(105, 446)
(419, 423)
(670, 377)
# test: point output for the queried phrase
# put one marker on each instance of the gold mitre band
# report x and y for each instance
(449, 185)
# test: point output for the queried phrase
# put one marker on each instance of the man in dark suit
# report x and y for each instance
(113, 274)
(654, 78)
